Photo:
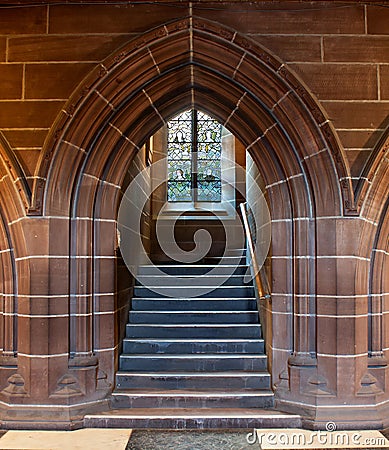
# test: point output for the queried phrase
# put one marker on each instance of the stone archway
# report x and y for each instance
(184, 64)
(372, 269)
(251, 93)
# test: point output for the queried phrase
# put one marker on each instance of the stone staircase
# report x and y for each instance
(193, 357)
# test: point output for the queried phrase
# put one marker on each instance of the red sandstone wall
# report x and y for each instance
(340, 50)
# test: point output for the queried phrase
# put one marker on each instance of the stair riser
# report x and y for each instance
(192, 270)
(239, 332)
(194, 305)
(191, 347)
(134, 364)
(192, 281)
(191, 318)
(203, 381)
(128, 401)
(186, 291)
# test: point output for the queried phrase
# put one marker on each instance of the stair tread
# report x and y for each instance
(194, 392)
(193, 418)
(193, 412)
(194, 325)
(189, 340)
(185, 287)
(195, 355)
(195, 298)
(194, 265)
(232, 373)
(192, 312)
(188, 275)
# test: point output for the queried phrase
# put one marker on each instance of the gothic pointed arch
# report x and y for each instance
(14, 171)
(213, 63)
(14, 203)
(373, 202)
(194, 63)
(375, 161)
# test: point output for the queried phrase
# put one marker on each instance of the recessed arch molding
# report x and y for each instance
(158, 73)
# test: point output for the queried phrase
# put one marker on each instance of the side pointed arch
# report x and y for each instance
(14, 171)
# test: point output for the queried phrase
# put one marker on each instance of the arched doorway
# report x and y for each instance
(263, 104)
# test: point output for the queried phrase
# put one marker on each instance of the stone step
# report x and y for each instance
(194, 304)
(193, 269)
(171, 346)
(202, 418)
(193, 344)
(197, 291)
(228, 260)
(192, 380)
(235, 252)
(192, 362)
(132, 398)
(214, 331)
(191, 281)
(193, 317)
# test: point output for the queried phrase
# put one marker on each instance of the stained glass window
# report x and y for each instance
(194, 158)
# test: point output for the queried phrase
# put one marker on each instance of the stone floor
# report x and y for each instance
(238, 440)
(85, 439)
(147, 439)
(190, 440)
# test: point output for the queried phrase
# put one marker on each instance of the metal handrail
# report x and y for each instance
(258, 273)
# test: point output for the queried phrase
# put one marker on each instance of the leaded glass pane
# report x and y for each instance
(179, 191)
(179, 181)
(180, 158)
(209, 147)
(208, 170)
(181, 164)
(209, 191)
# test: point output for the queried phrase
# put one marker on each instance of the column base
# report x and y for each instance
(47, 417)
(352, 417)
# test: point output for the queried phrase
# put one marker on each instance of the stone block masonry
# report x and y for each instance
(304, 88)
